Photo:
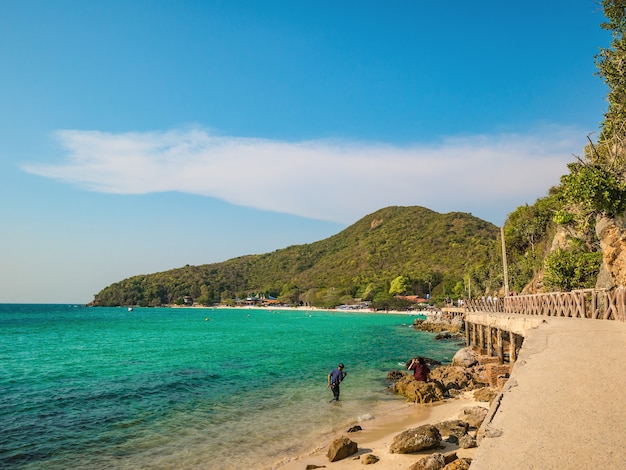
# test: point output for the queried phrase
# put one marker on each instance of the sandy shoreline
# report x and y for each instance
(304, 309)
(378, 433)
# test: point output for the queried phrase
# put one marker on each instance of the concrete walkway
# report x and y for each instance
(564, 406)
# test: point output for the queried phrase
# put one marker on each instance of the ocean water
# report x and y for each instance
(159, 388)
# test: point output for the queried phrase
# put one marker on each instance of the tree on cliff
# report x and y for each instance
(611, 63)
(573, 237)
(593, 194)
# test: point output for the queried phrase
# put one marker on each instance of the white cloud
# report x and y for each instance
(331, 180)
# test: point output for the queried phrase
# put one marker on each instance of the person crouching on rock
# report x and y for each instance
(419, 368)
(334, 379)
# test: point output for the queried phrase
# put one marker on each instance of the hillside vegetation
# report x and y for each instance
(396, 250)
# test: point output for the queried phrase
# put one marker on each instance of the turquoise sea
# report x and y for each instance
(159, 388)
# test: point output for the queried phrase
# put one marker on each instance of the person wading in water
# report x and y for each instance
(334, 379)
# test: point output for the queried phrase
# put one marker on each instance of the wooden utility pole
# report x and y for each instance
(504, 265)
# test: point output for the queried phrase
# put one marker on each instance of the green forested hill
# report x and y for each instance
(426, 250)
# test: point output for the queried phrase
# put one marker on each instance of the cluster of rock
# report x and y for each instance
(461, 432)
(445, 325)
(468, 372)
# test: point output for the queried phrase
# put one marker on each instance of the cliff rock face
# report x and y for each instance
(535, 286)
(612, 236)
(611, 233)
(559, 242)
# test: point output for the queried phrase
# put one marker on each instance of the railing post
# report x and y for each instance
(481, 335)
(500, 345)
(621, 304)
(512, 350)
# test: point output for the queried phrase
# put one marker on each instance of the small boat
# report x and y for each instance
(130, 309)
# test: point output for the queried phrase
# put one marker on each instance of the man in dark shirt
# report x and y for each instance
(420, 369)
(334, 379)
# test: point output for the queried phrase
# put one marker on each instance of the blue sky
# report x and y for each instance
(141, 136)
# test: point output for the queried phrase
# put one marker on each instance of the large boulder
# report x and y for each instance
(438, 322)
(485, 394)
(452, 377)
(369, 459)
(465, 357)
(453, 427)
(467, 442)
(438, 461)
(341, 448)
(459, 464)
(415, 439)
(431, 462)
(417, 391)
(394, 375)
(473, 416)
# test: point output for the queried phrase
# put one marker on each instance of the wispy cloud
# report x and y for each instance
(331, 180)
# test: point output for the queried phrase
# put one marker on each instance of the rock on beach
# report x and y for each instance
(341, 448)
(416, 439)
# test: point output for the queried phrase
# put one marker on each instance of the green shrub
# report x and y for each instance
(571, 269)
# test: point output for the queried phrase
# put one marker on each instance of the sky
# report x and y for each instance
(138, 137)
